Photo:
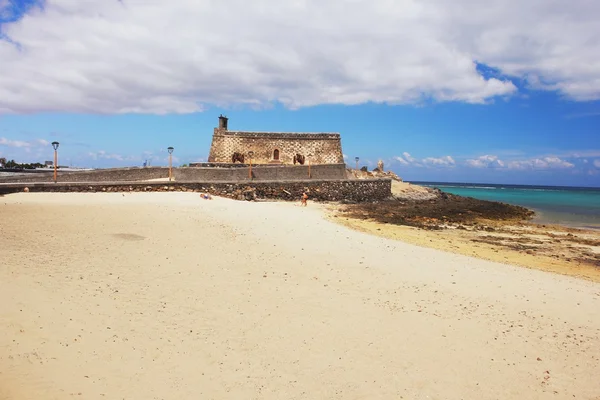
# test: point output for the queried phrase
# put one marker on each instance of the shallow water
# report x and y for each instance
(570, 206)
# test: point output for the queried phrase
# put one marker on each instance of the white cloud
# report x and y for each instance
(13, 143)
(492, 161)
(114, 159)
(147, 56)
(446, 161)
(580, 154)
(401, 160)
(540, 163)
(487, 161)
(408, 157)
(597, 163)
(103, 155)
(22, 143)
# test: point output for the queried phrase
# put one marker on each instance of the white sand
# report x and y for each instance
(168, 296)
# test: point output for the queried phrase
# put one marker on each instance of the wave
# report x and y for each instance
(520, 189)
(595, 190)
(464, 187)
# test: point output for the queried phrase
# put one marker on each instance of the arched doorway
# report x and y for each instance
(276, 154)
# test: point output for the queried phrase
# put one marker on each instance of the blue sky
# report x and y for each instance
(437, 93)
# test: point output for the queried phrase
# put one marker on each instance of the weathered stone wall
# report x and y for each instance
(239, 173)
(98, 175)
(318, 190)
(222, 165)
(284, 172)
(326, 148)
(236, 165)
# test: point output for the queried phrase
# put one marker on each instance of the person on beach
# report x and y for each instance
(304, 198)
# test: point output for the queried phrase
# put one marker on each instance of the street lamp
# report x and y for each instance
(55, 146)
(309, 156)
(170, 150)
(250, 155)
(356, 159)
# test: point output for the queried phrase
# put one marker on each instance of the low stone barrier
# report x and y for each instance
(96, 175)
(318, 190)
(261, 172)
(188, 174)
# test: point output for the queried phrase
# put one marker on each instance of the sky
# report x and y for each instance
(501, 91)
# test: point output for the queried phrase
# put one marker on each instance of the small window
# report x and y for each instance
(276, 154)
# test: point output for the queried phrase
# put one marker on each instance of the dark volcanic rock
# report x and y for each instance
(444, 209)
(351, 191)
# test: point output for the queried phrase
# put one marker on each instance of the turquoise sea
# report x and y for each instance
(570, 206)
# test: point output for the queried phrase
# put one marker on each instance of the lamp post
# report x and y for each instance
(250, 155)
(356, 159)
(170, 150)
(309, 157)
(55, 146)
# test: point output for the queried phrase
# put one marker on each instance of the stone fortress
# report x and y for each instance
(274, 147)
(241, 165)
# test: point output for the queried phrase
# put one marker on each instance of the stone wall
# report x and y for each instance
(318, 190)
(236, 165)
(222, 165)
(240, 173)
(98, 175)
(326, 148)
(283, 172)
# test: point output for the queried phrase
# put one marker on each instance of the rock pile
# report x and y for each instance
(349, 191)
(439, 213)
(375, 174)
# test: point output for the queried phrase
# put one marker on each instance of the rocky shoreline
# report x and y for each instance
(435, 209)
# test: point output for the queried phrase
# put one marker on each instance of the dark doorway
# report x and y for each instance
(276, 155)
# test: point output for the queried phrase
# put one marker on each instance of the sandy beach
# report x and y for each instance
(169, 296)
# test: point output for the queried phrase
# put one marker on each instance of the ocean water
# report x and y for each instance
(570, 206)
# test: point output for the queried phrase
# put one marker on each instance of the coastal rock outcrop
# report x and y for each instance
(441, 211)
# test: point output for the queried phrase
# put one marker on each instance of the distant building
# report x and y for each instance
(274, 147)
(49, 164)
